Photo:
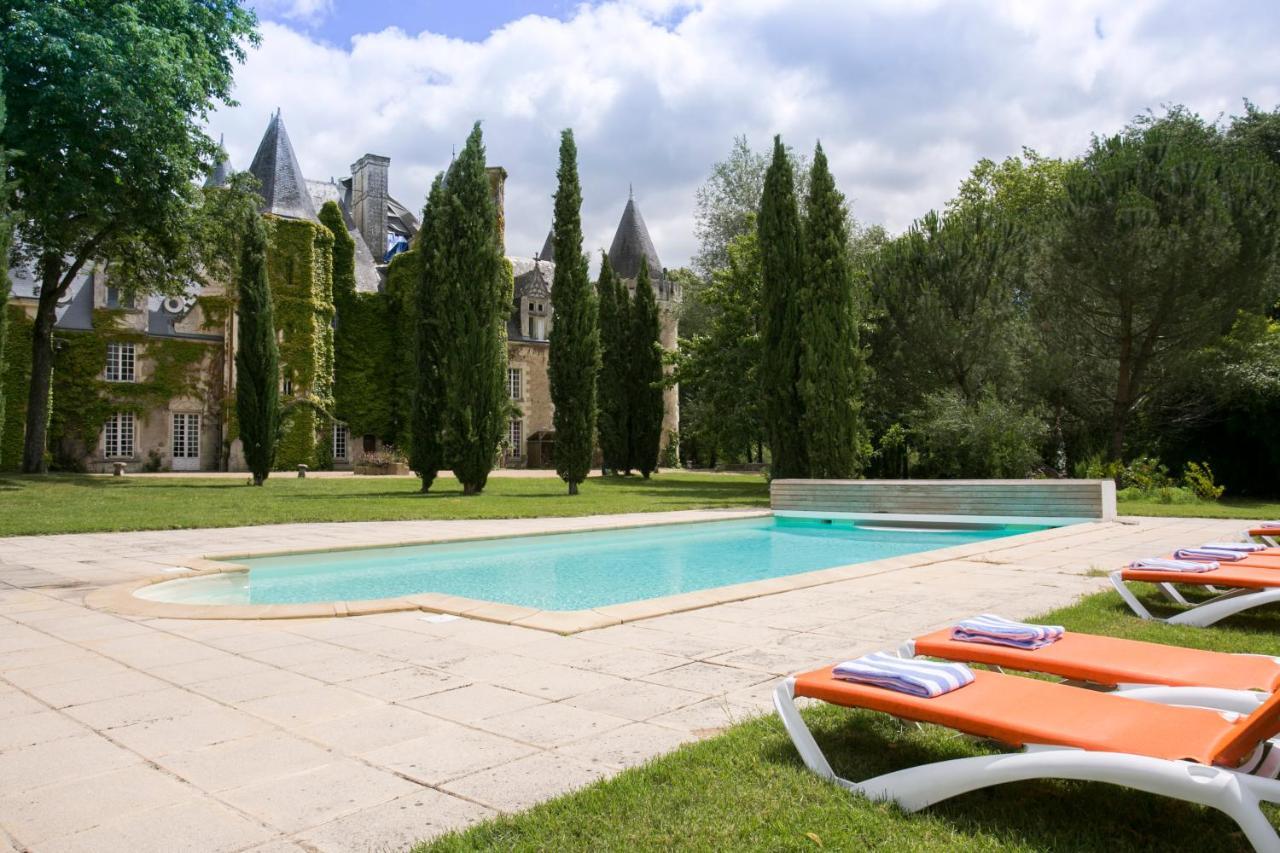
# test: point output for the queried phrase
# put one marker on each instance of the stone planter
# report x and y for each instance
(379, 469)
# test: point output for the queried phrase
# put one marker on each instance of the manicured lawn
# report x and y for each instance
(79, 504)
(1250, 508)
(746, 789)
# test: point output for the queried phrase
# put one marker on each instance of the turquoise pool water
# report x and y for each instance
(570, 571)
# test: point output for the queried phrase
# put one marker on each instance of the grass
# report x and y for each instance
(80, 504)
(1247, 508)
(746, 788)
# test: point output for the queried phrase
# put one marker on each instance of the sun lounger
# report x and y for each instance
(1152, 671)
(1268, 533)
(1065, 732)
(1250, 586)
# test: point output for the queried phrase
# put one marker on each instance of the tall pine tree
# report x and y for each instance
(615, 335)
(782, 267)
(830, 360)
(575, 342)
(426, 445)
(257, 359)
(6, 233)
(646, 377)
(475, 282)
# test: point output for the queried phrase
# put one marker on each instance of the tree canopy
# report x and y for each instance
(106, 105)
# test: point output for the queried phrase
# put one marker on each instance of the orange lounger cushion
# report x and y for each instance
(1017, 711)
(1228, 574)
(1110, 661)
(1255, 560)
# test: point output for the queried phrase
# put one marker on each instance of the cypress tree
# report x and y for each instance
(426, 447)
(575, 342)
(782, 270)
(646, 377)
(615, 335)
(830, 360)
(6, 232)
(475, 283)
(257, 359)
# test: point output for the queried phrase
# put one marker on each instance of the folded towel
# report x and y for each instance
(1270, 525)
(998, 631)
(1160, 564)
(1247, 547)
(1221, 555)
(922, 678)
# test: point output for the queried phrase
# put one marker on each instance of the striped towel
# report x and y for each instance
(1270, 525)
(1247, 547)
(922, 678)
(1222, 555)
(1160, 564)
(998, 631)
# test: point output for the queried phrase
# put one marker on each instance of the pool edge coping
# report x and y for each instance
(120, 598)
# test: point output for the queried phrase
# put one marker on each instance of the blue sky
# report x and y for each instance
(473, 21)
(905, 95)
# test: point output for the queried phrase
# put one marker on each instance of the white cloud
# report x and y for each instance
(302, 11)
(905, 96)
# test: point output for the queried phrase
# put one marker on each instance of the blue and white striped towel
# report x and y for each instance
(1247, 547)
(1270, 525)
(1160, 564)
(922, 678)
(998, 631)
(1219, 554)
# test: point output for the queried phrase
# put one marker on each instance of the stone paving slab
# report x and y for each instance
(372, 731)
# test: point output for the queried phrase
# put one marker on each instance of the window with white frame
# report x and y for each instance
(186, 435)
(341, 442)
(121, 362)
(515, 383)
(515, 437)
(117, 436)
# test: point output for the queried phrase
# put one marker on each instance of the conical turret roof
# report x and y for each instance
(283, 189)
(548, 252)
(222, 170)
(631, 243)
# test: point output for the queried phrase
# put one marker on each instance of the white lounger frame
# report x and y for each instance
(1199, 615)
(1237, 794)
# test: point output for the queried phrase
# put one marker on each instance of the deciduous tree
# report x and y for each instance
(106, 102)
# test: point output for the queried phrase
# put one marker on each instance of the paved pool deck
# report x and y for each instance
(366, 733)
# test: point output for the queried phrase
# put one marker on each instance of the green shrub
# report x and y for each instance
(1146, 474)
(984, 438)
(1198, 477)
(1162, 495)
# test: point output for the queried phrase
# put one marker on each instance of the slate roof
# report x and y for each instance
(532, 278)
(284, 191)
(222, 170)
(631, 242)
(548, 252)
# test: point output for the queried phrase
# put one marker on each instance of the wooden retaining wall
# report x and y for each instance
(992, 498)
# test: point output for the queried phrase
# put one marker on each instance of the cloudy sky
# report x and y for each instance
(905, 95)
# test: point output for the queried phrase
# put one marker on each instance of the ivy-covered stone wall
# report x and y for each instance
(300, 270)
(82, 399)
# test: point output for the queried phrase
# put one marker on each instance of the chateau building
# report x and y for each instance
(159, 373)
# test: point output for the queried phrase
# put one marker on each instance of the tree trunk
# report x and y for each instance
(41, 368)
(1123, 401)
(573, 488)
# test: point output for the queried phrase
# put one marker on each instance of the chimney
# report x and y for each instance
(369, 201)
(498, 186)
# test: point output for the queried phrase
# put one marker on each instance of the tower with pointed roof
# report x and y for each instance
(283, 190)
(631, 244)
(222, 171)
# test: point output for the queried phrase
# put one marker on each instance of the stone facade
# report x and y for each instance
(380, 227)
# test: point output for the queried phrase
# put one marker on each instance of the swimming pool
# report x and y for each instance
(572, 571)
